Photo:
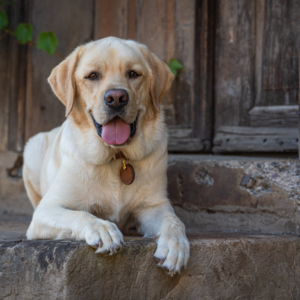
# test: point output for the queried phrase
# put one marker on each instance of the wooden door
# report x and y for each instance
(172, 29)
(13, 82)
(72, 22)
(28, 105)
(257, 75)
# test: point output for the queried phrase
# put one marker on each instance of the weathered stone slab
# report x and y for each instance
(222, 266)
(236, 193)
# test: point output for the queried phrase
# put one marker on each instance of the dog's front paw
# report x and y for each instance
(173, 251)
(105, 236)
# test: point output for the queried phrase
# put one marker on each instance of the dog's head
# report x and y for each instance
(111, 85)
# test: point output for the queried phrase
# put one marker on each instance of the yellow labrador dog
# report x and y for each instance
(112, 90)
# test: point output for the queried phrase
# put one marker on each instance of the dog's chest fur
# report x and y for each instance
(106, 196)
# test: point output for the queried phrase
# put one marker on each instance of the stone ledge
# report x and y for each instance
(222, 266)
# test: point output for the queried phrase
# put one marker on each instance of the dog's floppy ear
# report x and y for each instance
(62, 80)
(161, 77)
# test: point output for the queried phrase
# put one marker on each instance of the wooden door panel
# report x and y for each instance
(5, 87)
(183, 87)
(73, 25)
(13, 82)
(274, 116)
(280, 53)
(108, 16)
(234, 62)
(150, 25)
(257, 76)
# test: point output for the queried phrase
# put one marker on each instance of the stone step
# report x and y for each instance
(209, 192)
(222, 266)
(13, 227)
(236, 193)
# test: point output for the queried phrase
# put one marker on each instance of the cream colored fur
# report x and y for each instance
(72, 177)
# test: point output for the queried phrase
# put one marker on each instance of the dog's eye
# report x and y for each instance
(93, 76)
(133, 74)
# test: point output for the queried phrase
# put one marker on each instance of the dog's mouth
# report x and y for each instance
(116, 131)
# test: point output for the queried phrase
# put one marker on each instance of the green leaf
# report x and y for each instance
(175, 65)
(23, 33)
(3, 19)
(47, 41)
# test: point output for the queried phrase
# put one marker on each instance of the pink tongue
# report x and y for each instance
(116, 132)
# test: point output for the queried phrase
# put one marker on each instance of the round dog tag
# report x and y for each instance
(127, 175)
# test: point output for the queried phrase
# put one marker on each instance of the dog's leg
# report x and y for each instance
(56, 219)
(173, 248)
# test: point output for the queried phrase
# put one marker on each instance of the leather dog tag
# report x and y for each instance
(127, 175)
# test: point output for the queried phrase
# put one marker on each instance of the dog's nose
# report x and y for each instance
(116, 98)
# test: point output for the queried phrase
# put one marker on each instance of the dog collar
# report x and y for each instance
(127, 171)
